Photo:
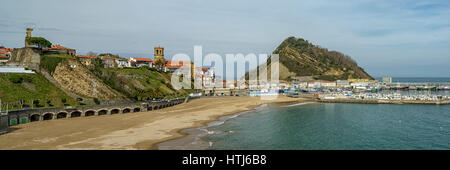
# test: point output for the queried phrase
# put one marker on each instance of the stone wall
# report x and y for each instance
(26, 57)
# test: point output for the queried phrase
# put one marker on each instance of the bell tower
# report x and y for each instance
(159, 57)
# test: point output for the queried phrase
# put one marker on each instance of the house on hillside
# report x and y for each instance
(58, 49)
(109, 62)
(121, 63)
(85, 60)
(139, 62)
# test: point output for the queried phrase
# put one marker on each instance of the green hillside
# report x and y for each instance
(302, 58)
(140, 83)
(18, 90)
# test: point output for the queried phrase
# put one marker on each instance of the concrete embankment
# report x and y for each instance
(431, 102)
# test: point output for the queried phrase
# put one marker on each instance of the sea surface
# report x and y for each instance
(326, 126)
(335, 126)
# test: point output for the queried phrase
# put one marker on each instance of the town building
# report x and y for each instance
(206, 76)
(342, 83)
(122, 63)
(139, 62)
(318, 84)
(58, 49)
(5, 54)
(387, 79)
(108, 62)
(85, 60)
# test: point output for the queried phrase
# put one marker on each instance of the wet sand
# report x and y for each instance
(141, 130)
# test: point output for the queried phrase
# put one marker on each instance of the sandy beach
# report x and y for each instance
(127, 131)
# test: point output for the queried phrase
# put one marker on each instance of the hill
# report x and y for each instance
(299, 58)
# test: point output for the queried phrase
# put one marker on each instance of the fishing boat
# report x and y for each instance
(400, 88)
(444, 88)
(427, 88)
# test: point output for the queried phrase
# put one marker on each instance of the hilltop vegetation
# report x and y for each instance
(298, 57)
(305, 59)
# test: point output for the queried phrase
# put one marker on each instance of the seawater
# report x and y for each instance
(333, 126)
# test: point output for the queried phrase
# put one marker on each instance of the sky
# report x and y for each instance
(407, 38)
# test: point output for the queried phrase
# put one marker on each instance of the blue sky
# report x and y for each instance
(398, 38)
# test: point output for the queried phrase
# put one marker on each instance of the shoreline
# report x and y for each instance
(191, 136)
(141, 131)
(183, 133)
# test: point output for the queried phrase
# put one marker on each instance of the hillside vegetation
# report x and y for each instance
(21, 90)
(305, 59)
(142, 83)
(298, 58)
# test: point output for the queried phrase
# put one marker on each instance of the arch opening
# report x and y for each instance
(114, 111)
(137, 109)
(34, 117)
(61, 115)
(75, 114)
(102, 112)
(89, 113)
(126, 110)
(48, 116)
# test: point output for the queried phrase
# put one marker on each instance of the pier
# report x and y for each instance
(362, 101)
(417, 86)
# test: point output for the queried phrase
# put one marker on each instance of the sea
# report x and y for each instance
(329, 126)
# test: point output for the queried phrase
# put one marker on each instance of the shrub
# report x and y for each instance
(96, 101)
(50, 63)
(15, 78)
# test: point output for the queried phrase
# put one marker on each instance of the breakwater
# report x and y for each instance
(362, 101)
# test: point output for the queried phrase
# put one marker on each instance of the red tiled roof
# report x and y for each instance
(4, 52)
(85, 56)
(57, 46)
(177, 66)
(143, 59)
(4, 57)
(108, 58)
(6, 49)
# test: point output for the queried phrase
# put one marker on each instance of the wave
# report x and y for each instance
(299, 104)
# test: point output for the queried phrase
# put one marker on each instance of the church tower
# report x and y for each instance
(159, 57)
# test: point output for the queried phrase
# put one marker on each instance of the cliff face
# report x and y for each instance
(73, 76)
(305, 59)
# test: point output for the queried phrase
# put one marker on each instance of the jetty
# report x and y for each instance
(362, 101)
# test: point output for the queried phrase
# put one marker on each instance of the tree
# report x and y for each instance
(39, 41)
(98, 63)
(90, 53)
(159, 64)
